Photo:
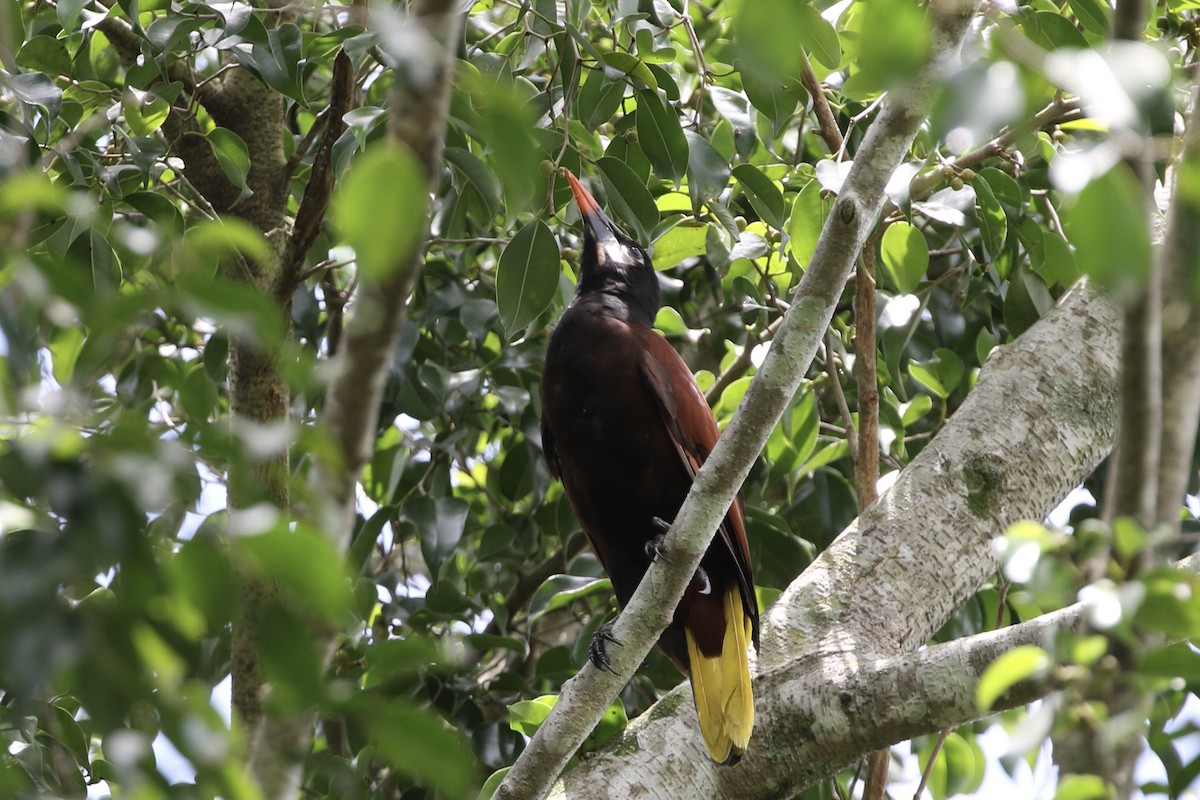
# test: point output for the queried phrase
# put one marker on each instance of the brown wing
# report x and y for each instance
(694, 431)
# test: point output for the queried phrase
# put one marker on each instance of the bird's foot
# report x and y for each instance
(598, 649)
(701, 580)
(654, 547)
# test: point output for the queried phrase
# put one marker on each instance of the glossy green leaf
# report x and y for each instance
(809, 211)
(1019, 664)
(527, 276)
(227, 146)
(560, 590)
(628, 199)
(631, 66)
(599, 99)
(305, 564)
(661, 137)
(416, 742)
(708, 171)
(941, 374)
(993, 224)
(680, 242)
(440, 524)
(764, 196)
(1109, 227)
(1094, 15)
(380, 209)
(904, 255)
(1082, 787)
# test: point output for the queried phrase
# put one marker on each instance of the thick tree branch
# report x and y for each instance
(1040, 418)
(585, 697)
(353, 398)
(1181, 335)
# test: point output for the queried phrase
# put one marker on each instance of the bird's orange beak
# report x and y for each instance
(597, 225)
(583, 198)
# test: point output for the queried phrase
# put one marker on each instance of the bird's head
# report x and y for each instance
(611, 262)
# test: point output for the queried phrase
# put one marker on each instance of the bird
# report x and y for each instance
(626, 428)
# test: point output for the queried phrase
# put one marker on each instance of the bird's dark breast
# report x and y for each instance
(618, 463)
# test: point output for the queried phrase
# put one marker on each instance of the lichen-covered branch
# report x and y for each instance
(586, 696)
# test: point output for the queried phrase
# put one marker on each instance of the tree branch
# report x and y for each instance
(353, 398)
(585, 697)
(1181, 336)
(1040, 418)
(311, 214)
(1059, 110)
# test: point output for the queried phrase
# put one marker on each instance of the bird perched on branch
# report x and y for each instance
(626, 428)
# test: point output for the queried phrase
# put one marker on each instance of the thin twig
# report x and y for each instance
(741, 364)
(839, 395)
(1059, 110)
(937, 748)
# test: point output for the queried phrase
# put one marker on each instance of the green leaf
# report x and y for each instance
(631, 66)
(65, 345)
(1058, 268)
(1093, 15)
(904, 255)
(1051, 30)
(493, 783)
(36, 89)
(708, 171)
(231, 153)
(1107, 223)
(1082, 787)
(599, 99)
(768, 31)
(45, 54)
(818, 37)
(1025, 301)
(440, 524)
(915, 409)
(1179, 660)
(1019, 664)
(305, 564)
(628, 198)
(476, 178)
(809, 211)
(418, 743)
(612, 722)
(762, 192)
(147, 115)
(560, 590)
(380, 208)
(941, 374)
(680, 242)
(984, 343)
(527, 276)
(661, 136)
(526, 716)
(993, 224)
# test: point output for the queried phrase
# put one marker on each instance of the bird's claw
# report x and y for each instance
(655, 549)
(598, 649)
(661, 524)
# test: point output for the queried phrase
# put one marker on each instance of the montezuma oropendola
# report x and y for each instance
(626, 428)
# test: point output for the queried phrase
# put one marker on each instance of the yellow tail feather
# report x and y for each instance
(721, 686)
